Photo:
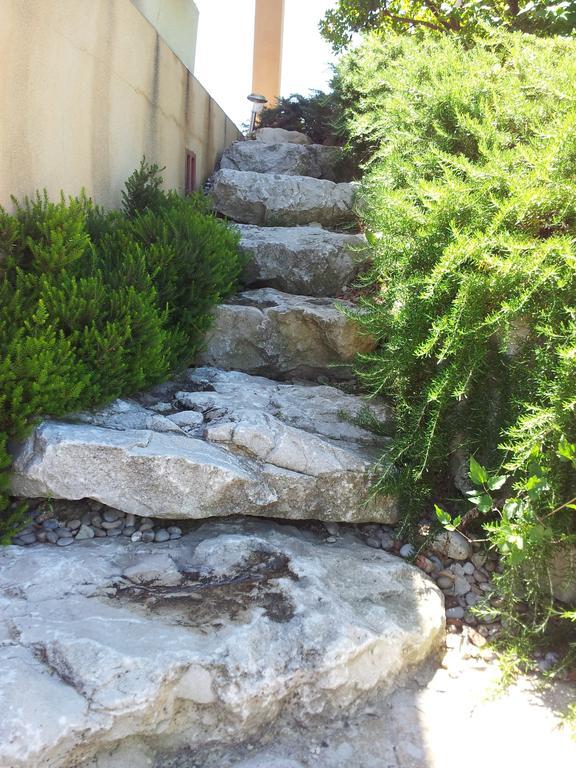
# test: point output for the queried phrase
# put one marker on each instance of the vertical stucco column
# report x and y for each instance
(268, 28)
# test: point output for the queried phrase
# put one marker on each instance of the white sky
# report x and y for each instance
(225, 47)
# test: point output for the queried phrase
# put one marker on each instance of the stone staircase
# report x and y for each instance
(113, 644)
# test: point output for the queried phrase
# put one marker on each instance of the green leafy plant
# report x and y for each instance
(528, 530)
(94, 304)
(466, 20)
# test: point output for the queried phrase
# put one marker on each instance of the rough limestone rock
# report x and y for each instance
(563, 575)
(272, 199)
(280, 136)
(277, 334)
(210, 638)
(289, 159)
(310, 261)
(263, 448)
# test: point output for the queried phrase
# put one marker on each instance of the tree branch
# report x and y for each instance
(412, 22)
(453, 25)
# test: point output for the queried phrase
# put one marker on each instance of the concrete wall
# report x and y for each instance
(87, 88)
(177, 23)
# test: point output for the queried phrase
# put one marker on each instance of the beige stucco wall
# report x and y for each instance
(86, 88)
(177, 23)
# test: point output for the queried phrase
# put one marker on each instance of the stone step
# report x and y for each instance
(272, 199)
(276, 334)
(310, 261)
(113, 654)
(254, 447)
(290, 159)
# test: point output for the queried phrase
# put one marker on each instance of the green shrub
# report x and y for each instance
(470, 203)
(319, 116)
(94, 304)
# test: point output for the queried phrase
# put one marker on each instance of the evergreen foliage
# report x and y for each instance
(319, 116)
(470, 204)
(95, 304)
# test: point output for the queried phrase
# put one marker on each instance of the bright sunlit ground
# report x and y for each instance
(225, 47)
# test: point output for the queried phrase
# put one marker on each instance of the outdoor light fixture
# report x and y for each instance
(258, 102)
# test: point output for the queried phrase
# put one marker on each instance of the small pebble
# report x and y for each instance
(444, 582)
(461, 586)
(111, 515)
(136, 536)
(426, 565)
(475, 637)
(332, 528)
(161, 535)
(387, 541)
(407, 550)
(99, 533)
(112, 532)
(147, 526)
(128, 530)
(147, 536)
(65, 541)
(73, 524)
(27, 538)
(468, 569)
(50, 525)
(85, 532)
(41, 536)
(52, 537)
(331, 540)
(472, 598)
(97, 521)
(478, 559)
(372, 542)
(455, 613)
(437, 563)
(64, 533)
(130, 520)
(109, 526)
(174, 536)
(174, 529)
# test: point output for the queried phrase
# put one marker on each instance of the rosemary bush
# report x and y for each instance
(469, 200)
(96, 304)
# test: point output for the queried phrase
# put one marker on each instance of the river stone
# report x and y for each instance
(452, 544)
(310, 261)
(92, 659)
(280, 135)
(271, 333)
(268, 449)
(274, 199)
(312, 160)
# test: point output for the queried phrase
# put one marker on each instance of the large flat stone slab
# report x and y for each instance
(272, 199)
(254, 447)
(208, 639)
(271, 333)
(290, 159)
(310, 261)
